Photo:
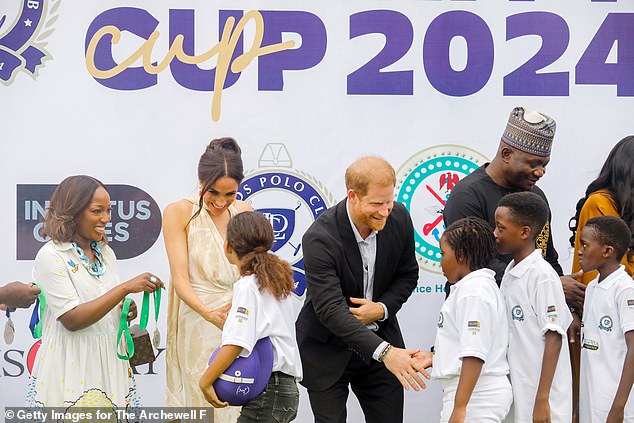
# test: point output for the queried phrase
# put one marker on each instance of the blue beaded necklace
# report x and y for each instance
(99, 267)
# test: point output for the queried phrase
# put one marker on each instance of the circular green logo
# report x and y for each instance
(424, 183)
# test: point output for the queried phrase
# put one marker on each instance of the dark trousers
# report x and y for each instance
(379, 393)
(278, 402)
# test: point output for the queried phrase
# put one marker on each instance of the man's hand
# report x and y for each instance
(423, 359)
(368, 311)
(574, 330)
(574, 291)
(18, 295)
(406, 368)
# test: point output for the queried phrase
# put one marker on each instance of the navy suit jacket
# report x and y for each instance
(327, 333)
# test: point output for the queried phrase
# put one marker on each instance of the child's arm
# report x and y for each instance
(625, 384)
(552, 348)
(469, 374)
(220, 363)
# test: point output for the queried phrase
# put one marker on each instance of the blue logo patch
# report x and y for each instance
(517, 313)
(605, 323)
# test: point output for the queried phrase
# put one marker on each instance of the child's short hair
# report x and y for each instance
(612, 231)
(472, 240)
(527, 209)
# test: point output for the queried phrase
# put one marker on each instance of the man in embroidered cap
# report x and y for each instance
(520, 161)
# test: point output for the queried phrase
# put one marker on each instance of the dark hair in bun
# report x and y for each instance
(221, 158)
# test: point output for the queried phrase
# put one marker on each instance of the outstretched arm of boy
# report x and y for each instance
(220, 363)
(469, 374)
(552, 348)
(625, 384)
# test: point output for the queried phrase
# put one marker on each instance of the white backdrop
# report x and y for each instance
(448, 76)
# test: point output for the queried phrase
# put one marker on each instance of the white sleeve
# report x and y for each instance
(625, 306)
(241, 326)
(550, 307)
(51, 273)
(475, 320)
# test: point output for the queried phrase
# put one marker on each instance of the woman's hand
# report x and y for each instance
(217, 316)
(145, 282)
(132, 311)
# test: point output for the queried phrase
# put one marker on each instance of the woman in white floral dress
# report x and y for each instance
(77, 363)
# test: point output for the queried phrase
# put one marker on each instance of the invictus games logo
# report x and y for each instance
(24, 25)
(424, 183)
(290, 199)
(134, 226)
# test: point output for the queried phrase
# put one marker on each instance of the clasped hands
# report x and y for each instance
(407, 365)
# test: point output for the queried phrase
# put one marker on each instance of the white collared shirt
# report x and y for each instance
(367, 249)
(257, 314)
(472, 323)
(535, 304)
(608, 313)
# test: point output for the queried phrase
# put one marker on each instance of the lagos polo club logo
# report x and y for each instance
(23, 29)
(423, 185)
(290, 199)
(134, 226)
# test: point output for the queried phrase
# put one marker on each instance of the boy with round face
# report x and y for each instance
(539, 317)
(607, 353)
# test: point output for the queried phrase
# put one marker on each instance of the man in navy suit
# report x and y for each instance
(360, 268)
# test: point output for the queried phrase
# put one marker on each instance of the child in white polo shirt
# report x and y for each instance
(261, 307)
(539, 316)
(472, 337)
(607, 344)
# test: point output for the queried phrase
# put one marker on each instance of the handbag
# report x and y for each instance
(139, 348)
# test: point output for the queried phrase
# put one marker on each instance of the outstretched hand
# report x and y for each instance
(402, 364)
(18, 295)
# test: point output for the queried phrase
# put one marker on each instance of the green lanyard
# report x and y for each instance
(124, 326)
(145, 308)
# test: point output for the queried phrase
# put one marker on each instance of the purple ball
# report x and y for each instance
(246, 377)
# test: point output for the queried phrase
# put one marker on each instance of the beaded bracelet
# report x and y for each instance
(384, 352)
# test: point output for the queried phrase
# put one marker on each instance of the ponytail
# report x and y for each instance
(251, 236)
(272, 273)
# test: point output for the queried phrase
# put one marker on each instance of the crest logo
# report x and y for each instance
(290, 199)
(424, 183)
(605, 323)
(441, 320)
(24, 25)
(517, 313)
